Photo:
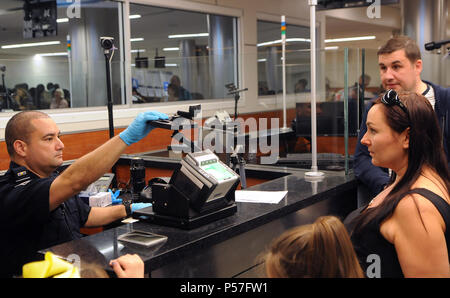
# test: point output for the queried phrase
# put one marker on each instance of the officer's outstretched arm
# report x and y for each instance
(85, 170)
(93, 165)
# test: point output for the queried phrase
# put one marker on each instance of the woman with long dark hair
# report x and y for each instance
(405, 230)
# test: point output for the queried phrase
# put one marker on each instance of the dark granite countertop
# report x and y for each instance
(104, 246)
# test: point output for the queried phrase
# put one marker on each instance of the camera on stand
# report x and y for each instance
(233, 90)
(107, 43)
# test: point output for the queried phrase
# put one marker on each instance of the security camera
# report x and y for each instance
(2, 68)
(107, 42)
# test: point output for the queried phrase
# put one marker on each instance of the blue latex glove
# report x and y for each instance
(137, 206)
(115, 200)
(139, 128)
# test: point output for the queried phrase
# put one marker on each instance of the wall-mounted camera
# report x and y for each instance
(107, 42)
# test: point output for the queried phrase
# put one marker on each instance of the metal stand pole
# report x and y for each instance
(7, 98)
(6, 92)
(314, 172)
(108, 57)
(109, 53)
(238, 160)
(69, 59)
(283, 53)
(236, 99)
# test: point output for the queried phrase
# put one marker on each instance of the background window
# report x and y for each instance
(269, 59)
(181, 55)
(67, 66)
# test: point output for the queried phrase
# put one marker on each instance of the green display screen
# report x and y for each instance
(217, 171)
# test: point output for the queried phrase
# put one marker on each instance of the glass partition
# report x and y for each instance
(181, 55)
(52, 58)
(341, 99)
(342, 94)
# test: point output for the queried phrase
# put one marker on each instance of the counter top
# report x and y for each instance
(102, 247)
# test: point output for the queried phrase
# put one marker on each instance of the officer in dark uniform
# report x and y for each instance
(39, 207)
(26, 221)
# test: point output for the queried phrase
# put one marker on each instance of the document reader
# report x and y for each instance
(201, 190)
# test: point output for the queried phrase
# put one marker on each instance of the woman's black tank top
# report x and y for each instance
(374, 250)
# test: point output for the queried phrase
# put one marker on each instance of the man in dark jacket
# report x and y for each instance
(400, 66)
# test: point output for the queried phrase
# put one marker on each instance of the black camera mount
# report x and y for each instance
(237, 158)
(233, 90)
(5, 93)
(107, 43)
(176, 122)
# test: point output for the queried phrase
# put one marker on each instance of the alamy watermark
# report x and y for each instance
(374, 9)
(374, 269)
(74, 9)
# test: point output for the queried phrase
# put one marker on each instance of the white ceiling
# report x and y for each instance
(339, 28)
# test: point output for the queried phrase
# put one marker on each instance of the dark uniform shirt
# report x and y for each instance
(26, 223)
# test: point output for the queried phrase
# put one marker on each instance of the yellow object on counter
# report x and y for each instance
(52, 266)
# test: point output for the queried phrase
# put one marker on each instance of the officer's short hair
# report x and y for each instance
(401, 42)
(19, 127)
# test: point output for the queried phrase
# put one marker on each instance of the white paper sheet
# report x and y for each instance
(254, 196)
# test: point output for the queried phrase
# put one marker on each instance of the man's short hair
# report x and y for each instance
(19, 127)
(402, 42)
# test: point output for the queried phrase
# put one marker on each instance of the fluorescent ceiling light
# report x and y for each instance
(351, 38)
(137, 39)
(331, 48)
(33, 44)
(137, 51)
(62, 20)
(188, 35)
(171, 64)
(298, 39)
(268, 43)
(262, 60)
(52, 54)
(170, 49)
(134, 16)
